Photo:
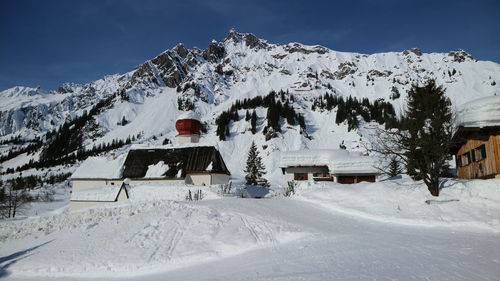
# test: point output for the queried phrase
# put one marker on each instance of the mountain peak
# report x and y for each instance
(249, 39)
(19, 91)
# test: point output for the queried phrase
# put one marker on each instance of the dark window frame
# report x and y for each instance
(300, 176)
(481, 152)
(459, 161)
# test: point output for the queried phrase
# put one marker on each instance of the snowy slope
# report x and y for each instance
(242, 66)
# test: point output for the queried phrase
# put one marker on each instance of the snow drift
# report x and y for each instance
(138, 238)
(461, 204)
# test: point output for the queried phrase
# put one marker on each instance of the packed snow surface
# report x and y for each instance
(461, 203)
(173, 191)
(139, 238)
(484, 112)
(157, 170)
(100, 168)
(326, 231)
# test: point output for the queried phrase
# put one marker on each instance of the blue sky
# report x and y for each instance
(46, 43)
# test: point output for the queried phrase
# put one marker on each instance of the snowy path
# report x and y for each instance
(349, 248)
(336, 247)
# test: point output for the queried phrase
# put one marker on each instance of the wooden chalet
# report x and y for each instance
(477, 152)
(477, 141)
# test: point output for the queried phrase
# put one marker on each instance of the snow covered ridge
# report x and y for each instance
(140, 238)
(462, 204)
(151, 97)
(229, 69)
(484, 112)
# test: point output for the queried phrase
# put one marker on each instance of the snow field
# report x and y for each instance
(464, 204)
(134, 239)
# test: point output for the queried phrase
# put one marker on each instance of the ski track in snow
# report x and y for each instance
(241, 239)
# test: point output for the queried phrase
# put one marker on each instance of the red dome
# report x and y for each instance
(188, 126)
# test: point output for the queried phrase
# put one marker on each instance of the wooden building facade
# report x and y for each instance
(477, 152)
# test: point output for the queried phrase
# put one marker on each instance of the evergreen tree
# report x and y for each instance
(248, 116)
(253, 122)
(394, 169)
(429, 123)
(425, 136)
(255, 169)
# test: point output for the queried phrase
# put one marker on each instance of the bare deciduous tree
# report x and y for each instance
(12, 201)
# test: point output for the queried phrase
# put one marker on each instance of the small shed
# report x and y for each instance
(98, 195)
(476, 146)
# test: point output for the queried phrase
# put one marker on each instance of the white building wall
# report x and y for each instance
(187, 139)
(220, 178)
(199, 179)
(139, 181)
(289, 172)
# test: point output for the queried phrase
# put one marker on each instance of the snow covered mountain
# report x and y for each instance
(145, 102)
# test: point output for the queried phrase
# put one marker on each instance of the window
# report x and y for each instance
(466, 158)
(321, 175)
(480, 152)
(300, 176)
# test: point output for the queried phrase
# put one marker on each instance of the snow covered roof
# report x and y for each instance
(354, 165)
(173, 162)
(479, 113)
(100, 168)
(158, 162)
(173, 146)
(189, 115)
(105, 193)
(338, 161)
(157, 170)
(311, 157)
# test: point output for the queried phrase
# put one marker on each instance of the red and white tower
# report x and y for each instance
(188, 125)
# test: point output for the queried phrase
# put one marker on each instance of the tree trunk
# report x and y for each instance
(433, 187)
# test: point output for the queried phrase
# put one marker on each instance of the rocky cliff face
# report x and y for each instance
(240, 66)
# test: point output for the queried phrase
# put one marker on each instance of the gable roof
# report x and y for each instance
(184, 159)
(100, 168)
